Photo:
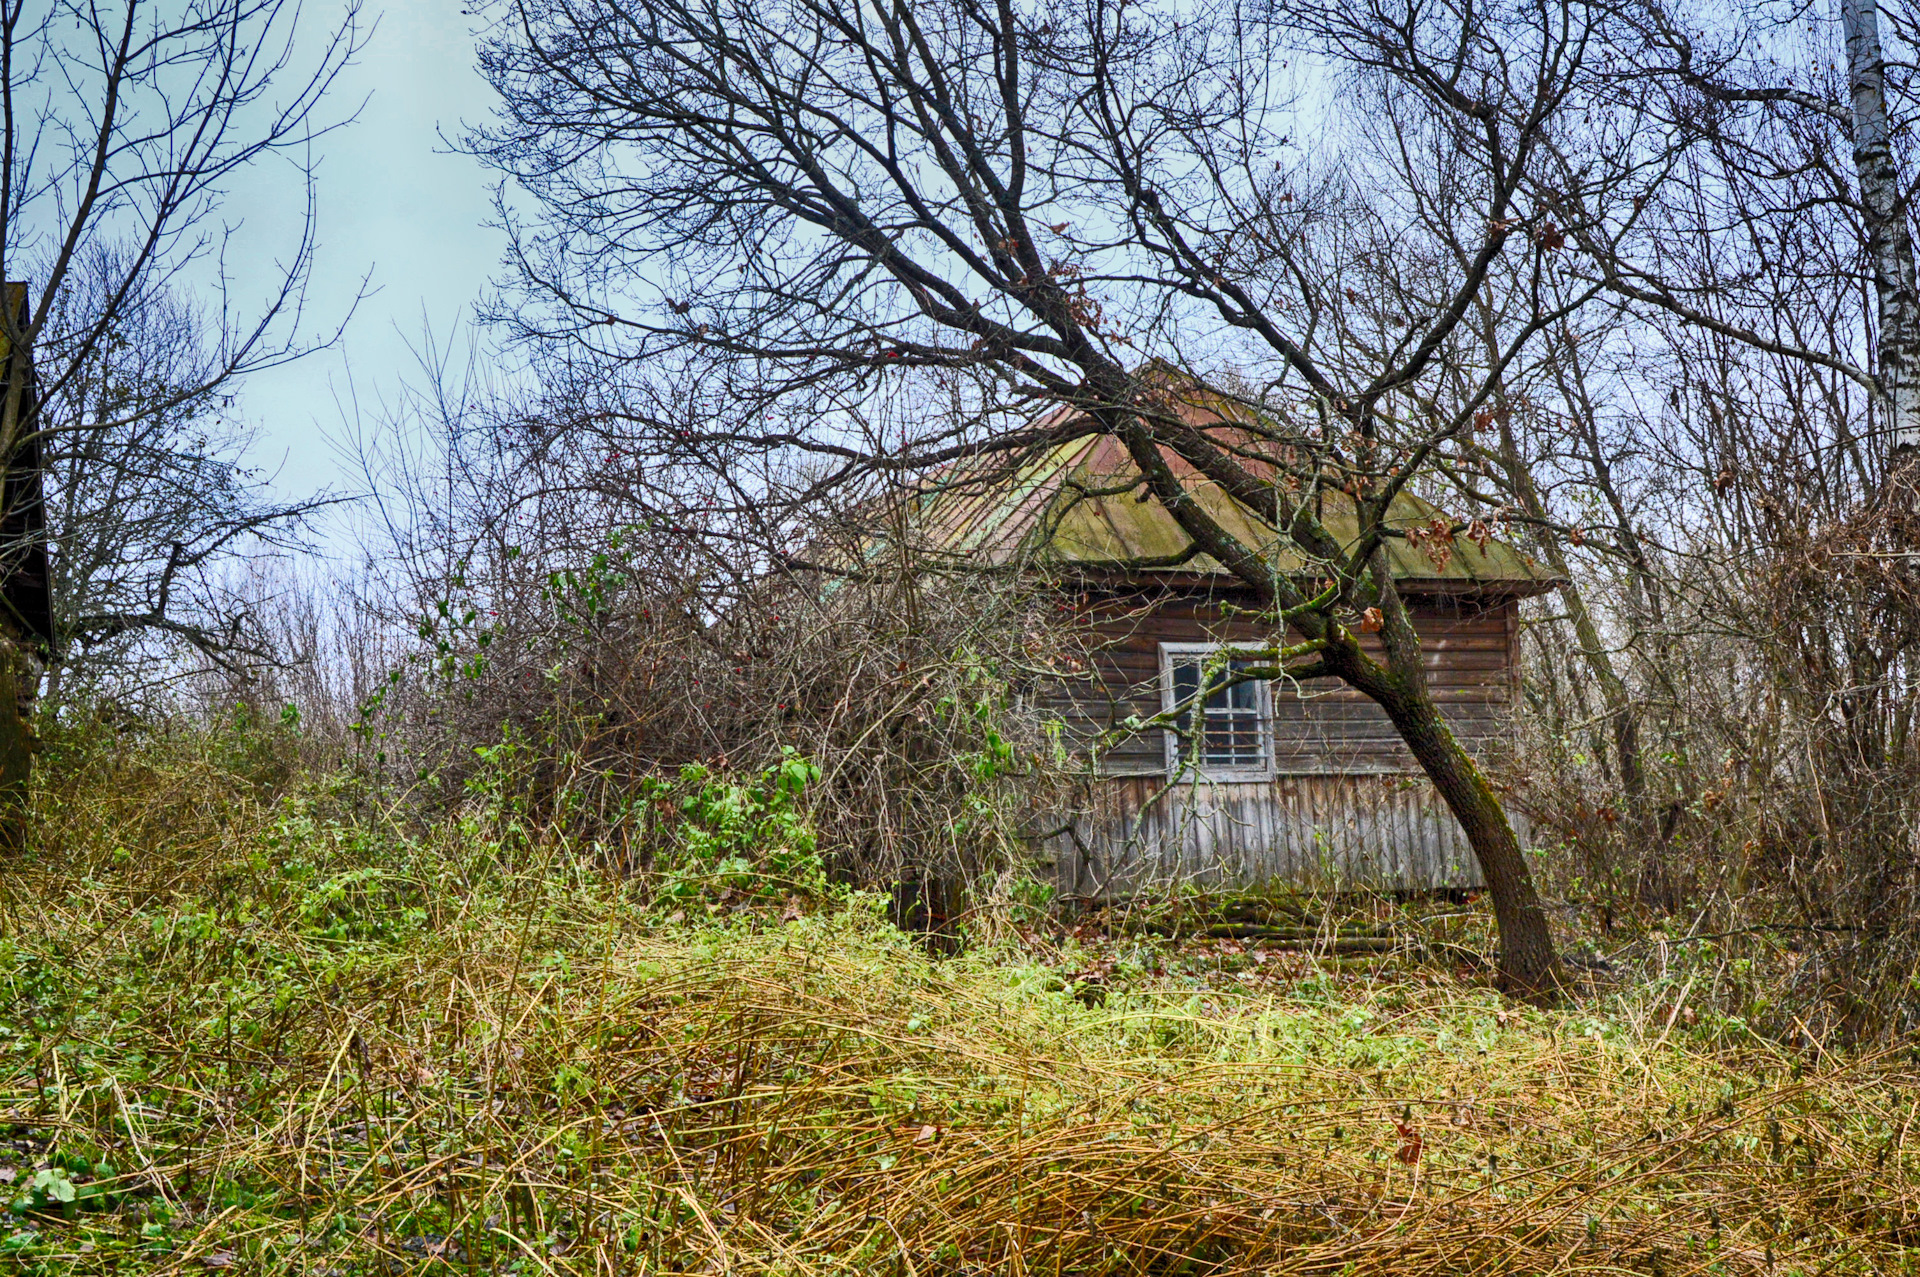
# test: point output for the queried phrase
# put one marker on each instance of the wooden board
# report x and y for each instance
(1321, 728)
(1333, 833)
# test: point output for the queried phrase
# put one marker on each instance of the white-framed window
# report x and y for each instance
(1235, 737)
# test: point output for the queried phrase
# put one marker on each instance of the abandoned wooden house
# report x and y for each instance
(1306, 784)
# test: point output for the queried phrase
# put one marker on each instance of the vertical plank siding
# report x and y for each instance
(1346, 807)
(1333, 833)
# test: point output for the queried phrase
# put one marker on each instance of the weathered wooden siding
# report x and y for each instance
(1320, 729)
(1346, 806)
(1388, 833)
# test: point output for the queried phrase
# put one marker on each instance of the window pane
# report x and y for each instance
(1232, 733)
(1233, 739)
(1240, 696)
(1186, 681)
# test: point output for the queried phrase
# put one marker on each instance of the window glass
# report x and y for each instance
(1232, 733)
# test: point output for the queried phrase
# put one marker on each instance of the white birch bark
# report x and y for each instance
(1889, 241)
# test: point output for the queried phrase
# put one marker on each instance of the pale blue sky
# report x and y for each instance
(393, 205)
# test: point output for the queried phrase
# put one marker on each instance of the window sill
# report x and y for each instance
(1222, 775)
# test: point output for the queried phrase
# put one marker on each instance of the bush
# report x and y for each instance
(574, 704)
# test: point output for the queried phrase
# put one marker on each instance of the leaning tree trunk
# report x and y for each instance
(1883, 208)
(1529, 965)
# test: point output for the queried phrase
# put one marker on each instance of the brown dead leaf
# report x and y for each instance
(1411, 1145)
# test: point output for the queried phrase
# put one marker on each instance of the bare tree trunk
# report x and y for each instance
(1884, 211)
(1655, 886)
(24, 614)
(17, 684)
(1529, 965)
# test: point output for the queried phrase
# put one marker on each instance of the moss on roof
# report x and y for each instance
(1062, 509)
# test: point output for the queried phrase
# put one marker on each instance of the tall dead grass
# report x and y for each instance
(246, 1033)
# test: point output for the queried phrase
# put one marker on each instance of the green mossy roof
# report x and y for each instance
(1060, 510)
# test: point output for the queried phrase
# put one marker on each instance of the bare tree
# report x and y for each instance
(1707, 458)
(1787, 160)
(757, 222)
(121, 129)
(149, 502)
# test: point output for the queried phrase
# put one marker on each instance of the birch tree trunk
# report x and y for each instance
(1889, 241)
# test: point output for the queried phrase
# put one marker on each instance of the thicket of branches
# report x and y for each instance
(1629, 283)
(579, 635)
(152, 505)
(1720, 705)
(1720, 701)
(1650, 326)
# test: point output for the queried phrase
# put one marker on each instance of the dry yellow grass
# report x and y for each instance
(274, 1043)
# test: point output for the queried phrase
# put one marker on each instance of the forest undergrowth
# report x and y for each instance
(250, 1022)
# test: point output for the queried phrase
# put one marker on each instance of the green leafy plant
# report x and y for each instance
(749, 838)
(50, 1189)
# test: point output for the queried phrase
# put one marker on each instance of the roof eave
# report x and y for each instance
(1512, 587)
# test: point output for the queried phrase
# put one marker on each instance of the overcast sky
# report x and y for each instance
(395, 207)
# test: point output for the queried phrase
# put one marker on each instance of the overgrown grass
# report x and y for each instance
(246, 1028)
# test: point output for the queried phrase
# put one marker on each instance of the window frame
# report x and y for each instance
(1177, 653)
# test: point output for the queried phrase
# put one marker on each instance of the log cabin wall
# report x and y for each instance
(1342, 805)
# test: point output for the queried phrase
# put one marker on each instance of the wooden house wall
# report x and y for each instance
(1346, 806)
(1318, 832)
